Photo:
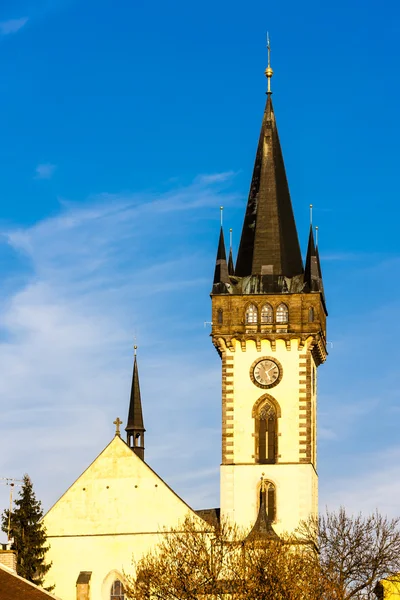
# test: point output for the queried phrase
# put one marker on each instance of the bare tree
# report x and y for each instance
(355, 551)
(197, 561)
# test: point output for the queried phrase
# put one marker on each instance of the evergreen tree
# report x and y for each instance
(28, 534)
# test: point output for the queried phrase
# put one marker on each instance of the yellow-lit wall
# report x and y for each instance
(113, 512)
(295, 477)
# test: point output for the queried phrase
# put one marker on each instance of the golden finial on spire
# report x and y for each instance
(221, 208)
(268, 71)
(135, 349)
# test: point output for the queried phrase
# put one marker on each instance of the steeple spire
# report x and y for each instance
(135, 427)
(231, 266)
(312, 272)
(221, 275)
(269, 244)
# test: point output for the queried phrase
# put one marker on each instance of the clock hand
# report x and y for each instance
(273, 367)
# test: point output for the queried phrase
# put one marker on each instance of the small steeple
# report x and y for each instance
(221, 275)
(312, 272)
(135, 427)
(231, 266)
(262, 528)
(269, 244)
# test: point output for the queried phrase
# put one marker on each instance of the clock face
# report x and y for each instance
(266, 373)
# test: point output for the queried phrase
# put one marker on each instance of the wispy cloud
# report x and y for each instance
(115, 267)
(45, 171)
(12, 25)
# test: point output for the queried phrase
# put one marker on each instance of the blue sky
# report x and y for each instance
(124, 127)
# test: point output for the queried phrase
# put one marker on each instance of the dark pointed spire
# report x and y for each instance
(135, 427)
(269, 242)
(231, 266)
(312, 272)
(262, 528)
(221, 274)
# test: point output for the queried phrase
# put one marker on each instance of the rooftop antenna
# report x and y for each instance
(12, 483)
(221, 208)
(268, 71)
(311, 215)
(316, 235)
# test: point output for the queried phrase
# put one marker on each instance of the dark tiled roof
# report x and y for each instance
(84, 577)
(210, 515)
(269, 242)
(13, 587)
(135, 416)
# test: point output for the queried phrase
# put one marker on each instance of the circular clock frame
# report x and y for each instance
(266, 386)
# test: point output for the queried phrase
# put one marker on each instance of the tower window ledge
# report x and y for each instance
(251, 329)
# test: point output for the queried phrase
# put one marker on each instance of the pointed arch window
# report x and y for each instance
(267, 314)
(117, 591)
(266, 426)
(311, 315)
(220, 316)
(268, 495)
(251, 314)
(282, 313)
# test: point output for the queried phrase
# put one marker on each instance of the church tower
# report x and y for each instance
(269, 327)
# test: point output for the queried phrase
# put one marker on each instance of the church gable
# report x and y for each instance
(117, 494)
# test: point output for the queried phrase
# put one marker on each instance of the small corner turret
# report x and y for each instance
(135, 427)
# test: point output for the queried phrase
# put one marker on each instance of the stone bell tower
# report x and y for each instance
(269, 327)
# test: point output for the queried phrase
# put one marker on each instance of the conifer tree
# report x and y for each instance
(28, 534)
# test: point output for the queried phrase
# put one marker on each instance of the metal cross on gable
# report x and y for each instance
(117, 424)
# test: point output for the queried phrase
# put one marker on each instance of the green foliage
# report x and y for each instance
(29, 534)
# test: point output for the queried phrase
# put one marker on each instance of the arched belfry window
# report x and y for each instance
(117, 591)
(251, 314)
(266, 434)
(220, 316)
(311, 315)
(268, 495)
(282, 314)
(267, 314)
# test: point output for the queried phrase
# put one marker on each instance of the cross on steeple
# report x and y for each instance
(117, 424)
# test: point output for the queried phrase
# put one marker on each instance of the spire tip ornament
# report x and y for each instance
(268, 71)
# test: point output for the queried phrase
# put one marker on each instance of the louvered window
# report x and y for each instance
(267, 435)
(267, 314)
(251, 314)
(282, 314)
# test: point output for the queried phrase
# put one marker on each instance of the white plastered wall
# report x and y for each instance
(114, 512)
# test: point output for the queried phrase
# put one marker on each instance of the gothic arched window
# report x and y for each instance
(267, 314)
(282, 314)
(220, 317)
(268, 495)
(311, 315)
(117, 591)
(266, 438)
(251, 314)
